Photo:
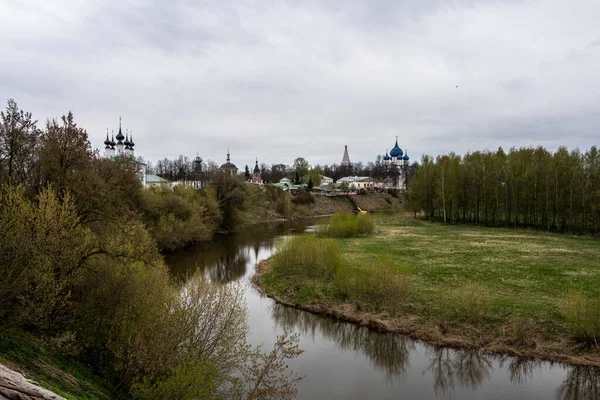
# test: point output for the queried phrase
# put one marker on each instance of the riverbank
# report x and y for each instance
(497, 290)
(30, 364)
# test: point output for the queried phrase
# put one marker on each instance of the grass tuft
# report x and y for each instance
(307, 256)
(346, 225)
(582, 314)
(471, 301)
(381, 285)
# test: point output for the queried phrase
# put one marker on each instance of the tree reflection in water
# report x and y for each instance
(469, 368)
(389, 353)
(230, 265)
(581, 383)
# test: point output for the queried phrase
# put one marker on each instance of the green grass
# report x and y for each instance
(468, 279)
(63, 375)
(346, 225)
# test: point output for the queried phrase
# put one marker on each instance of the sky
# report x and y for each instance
(276, 80)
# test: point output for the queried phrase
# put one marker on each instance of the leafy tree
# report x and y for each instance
(247, 173)
(301, 168)
(18, 141)
(310, 183)
(65, 151)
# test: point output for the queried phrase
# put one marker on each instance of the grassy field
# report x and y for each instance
(502, 289)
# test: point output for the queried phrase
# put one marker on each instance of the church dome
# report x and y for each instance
(387, 157)
(228, 166)
(256, 169)
(396, 151)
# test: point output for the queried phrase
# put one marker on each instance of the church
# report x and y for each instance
(121, 148)
(397, 167)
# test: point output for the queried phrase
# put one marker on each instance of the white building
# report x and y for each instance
(357, 182)
(325, 180)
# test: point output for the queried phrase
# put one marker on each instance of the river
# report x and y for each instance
(344, 361)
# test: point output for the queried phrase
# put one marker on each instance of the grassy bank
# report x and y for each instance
(50, 367)
(512, 291)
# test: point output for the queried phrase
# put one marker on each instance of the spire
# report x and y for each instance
(107, 141)
(112, 141)
(131, 144)
(256, 169)
(346, 159)
(228, 159)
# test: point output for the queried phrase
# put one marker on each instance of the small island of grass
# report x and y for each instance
(518, 292)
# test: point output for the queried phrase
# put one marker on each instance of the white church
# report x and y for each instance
(121, 148)
(397, 163)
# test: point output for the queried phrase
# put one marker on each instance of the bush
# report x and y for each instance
(303, 198)
(582, 314)
(307, 256)
(381, 285)
(366, 224)
(180, 216)
(345, 225)
(42, 247)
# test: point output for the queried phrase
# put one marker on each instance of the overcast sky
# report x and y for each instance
(282, 79)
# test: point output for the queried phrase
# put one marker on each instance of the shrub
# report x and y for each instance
(382, 285)
(180, 216)
(365, 223)
(307, 256)
(303, 198)
(582, 314)
(345, 225)
(42, 247)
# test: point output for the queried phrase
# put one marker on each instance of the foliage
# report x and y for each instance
(365, 224)
(80, 266)
(42, 250)
(530, 187)
(582, 314)
(18, 140)
(344, 225)
(303, 197)
(179, 216)
(267, 372)
(307, 256)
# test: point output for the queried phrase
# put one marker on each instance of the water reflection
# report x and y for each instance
(228, 257)
(469, 368)
(388, 353)
(581, 383)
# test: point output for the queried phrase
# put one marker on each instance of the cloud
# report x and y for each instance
(278, 80)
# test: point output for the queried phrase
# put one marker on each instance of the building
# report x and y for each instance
(229, 167)
(357, 182)
(124, 147)
(325, 180)
(396, 163)
(155, 180)
(256, 178)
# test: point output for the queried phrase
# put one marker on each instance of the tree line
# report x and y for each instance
(185, 169)
(526, 187)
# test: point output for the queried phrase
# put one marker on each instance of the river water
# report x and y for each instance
(344, 361)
